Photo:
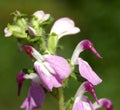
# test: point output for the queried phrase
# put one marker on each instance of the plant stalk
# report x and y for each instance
(61, 98)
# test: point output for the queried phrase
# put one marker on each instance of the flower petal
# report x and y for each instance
(7, 32)
(87, 72)
(64, 26)
(81, 105)
(31, 31)
(41, 15)
(104, 102)
(20, 78)
(35, 97)
(60, 65)
(46, 78)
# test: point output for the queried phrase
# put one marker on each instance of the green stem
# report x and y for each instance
(61, 98)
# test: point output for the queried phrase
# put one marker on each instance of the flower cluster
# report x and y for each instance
(51, 72)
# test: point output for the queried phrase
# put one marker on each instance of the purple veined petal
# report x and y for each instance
(104, 102)
(87, 72)
(83, 45)
(47, 79)
(60, 65)
(86, 87)
(81, 105)
(22, 76)
(35, 97)
(87, 44)
(89, 103)
(20, 79)
(89, 87)
(64, 26)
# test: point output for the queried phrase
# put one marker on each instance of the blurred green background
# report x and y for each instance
(99, 21)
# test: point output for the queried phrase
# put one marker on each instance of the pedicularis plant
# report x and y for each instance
(51, 72)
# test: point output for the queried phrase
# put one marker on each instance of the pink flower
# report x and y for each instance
(41, 15)
(84, 68)
(22, 76)
(82, 102)
(7, 32)
(36, 95)
(104, 102)
(51, 69)
(64, 26)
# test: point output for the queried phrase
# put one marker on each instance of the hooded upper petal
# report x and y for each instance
(83, 45)
(41, 15)
(82, 102)
(104, 102)
(47, 79)
(60, 65)
(87, 72)
(64, 26)
(35, 97)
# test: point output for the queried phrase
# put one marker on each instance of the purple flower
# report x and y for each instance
(34, 98)
(104, 102)
(64, 26)
(82, 102)
(22, 76)
(36, 95)
(84, 68)
(51, 69)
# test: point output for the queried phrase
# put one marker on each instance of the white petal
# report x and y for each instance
(64, 26)
(7, 32)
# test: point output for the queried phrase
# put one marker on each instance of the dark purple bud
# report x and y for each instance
(20, 79)
(28, 49)
(87, 44)
(106, 103)
(90, 88)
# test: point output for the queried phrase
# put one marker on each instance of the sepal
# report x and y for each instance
(52, 43)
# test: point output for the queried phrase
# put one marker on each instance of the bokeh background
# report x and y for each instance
(99, 21)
